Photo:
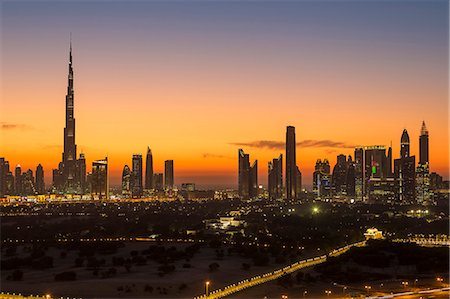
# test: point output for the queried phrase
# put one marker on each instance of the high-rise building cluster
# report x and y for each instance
(20, 183)
(132, 179)
(248, 175)
(373, 175)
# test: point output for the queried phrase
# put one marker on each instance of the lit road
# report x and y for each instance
(260, 279)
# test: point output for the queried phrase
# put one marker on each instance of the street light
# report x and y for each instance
(207, 288)
(328, 292)
(304, 293)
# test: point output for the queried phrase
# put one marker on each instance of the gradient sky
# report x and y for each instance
(196, 80)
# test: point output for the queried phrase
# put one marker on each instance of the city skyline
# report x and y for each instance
(207, 156)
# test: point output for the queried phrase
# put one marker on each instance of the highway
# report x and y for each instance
(260, 279)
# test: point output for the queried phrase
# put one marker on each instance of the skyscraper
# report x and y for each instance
(275, 179)
(70, 149)
(243, 174)
(404, 145)
(247, 176)
(126, 181)
(168, 174)
(3, 175)
(291, 164)
(99, 179)
(18, 180)
(40, 186)
(149, 170)
(253, 180)
(423, 145)
(404, 172)
(322, 178)
(339, 176)
(136, 176)
(80, 177)
(158, 181)
(423, 191)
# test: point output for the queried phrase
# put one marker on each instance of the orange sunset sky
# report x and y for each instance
(195, 81)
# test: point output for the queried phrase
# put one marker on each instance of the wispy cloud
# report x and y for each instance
(10, 126)
(209, 155)
(278, 145)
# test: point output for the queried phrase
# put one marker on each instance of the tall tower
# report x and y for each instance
(136, 176)
(423, 147)
(243, 174)
(40, 186)
(291, 164)
(168, 175)
(70, 149)
(404, 145)
(149, 170)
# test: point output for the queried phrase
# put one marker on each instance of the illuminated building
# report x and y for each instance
(126, 181)
(67, 183)
(4, 170)
(40, 185)
(404, 172)
(322, 178)
(158, 181)
(423, 192)
(136, 176)
(275, 178)
(373, 233)
(168, 175)
(188, 187)
(28, 187)
(247, 176)
(291, 164)
(149, 170)
(371, 162)
(99, 179)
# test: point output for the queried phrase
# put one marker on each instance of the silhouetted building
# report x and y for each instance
(158, 181)
(18, 180)
(149, 170)
(298, 183)
(291, 164)
(67, 183)
(40, 185)
(253, 180)
(436, 181)
(350, 178)
(80, 177)
(136, 176)
(28, 187)
(339, 176)
(404, 172)
(168, 174)
(275, 178)
(423, 192)
(247, 176)
(126, 181)
(4, 170)
(404, 144)
(322, 178)
(99, 179)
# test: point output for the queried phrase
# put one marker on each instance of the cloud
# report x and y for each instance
(209, 155)
(10, 126)
(279, 145)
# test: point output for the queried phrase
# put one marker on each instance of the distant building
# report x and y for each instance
(18, 180)
(187, 187)
(373, 233)
(40, 185)
(149, 170)
(423, 190)
(339, 176)
(275, 178)
(136, 176)
(158, 181)
(350, 178)
(291, 164)
(6, 185)
(247, 176)
(322, 178)
(80, 175)
(405, 173)
(126, 181)
(168, 175)
(99, 179)
(298, 183)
